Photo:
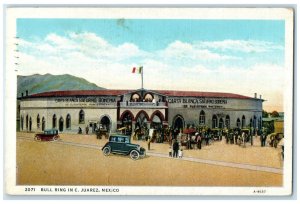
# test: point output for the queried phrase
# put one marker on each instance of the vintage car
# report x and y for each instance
(120, 144)
(48, 135)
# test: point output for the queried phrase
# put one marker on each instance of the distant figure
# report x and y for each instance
(79, 130)
(170, 151)
(199, 141)
(180, 153)
(175, 149)
(87, 129)
(149, 142)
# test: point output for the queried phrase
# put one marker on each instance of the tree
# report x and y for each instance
(265, 114)
(275, 114)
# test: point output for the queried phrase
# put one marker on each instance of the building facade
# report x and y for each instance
(113, 109)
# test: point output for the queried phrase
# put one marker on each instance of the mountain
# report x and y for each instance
(42, 83)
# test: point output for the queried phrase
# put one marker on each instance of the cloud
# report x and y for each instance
(240, 45)
(179, 66)
(181, 50)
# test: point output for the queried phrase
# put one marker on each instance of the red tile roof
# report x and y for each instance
(121, 92)
(202, 94)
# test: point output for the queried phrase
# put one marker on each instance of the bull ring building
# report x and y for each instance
(113, 109)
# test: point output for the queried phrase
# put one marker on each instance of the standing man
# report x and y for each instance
(199, 141)
(149, 142)
(175, 149)
(87, 129)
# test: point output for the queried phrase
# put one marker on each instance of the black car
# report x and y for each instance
(120, 144)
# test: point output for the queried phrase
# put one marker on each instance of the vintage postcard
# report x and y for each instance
(149, 101)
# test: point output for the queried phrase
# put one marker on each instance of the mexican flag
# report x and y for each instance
(137, 70)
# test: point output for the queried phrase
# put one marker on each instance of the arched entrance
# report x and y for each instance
(43, 124)
(157, 120)
(68, 122)
(54, 121)
(178, 122)
(221, 123)
(127, 118)
(238, 123)
(22, 122)
(243, 121)
(254, 122)
(26, 122)
(214, 121)
(30, 124)
(105, 123)
(61, 124)
(141, 120)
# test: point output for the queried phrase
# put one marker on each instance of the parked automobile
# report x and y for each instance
(47, 135)
(121, 144)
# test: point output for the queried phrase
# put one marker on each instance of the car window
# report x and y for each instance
(121, 139)
(126, 140)
(112, 139)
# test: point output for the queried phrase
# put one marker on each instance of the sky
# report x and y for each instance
(234, 56)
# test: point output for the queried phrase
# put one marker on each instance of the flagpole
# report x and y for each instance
(142, 77)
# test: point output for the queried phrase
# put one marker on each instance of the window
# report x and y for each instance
(214, 121)
(81, 116)
(68, 121)
(121, 139)
(202, 118)
(227, 121)
(54, 121)
(243, 121)
(126, 140)
(112, 139)
(238, 123)
(38, 121)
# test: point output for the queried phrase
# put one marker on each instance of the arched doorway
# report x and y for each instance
(105, 123)
(214, 121)
(61, 124)
(254, 122)
(178, 122)
(54, 121)
(157, 120)
(127, 118)
(22, 122)
(243, 121)
(251, 123)
(30, 124)
(43, 124)
(221, 123)
(238, 123)
(26, 122)
(141, 120)
(38, 121)
(227, 121)
(68, 122)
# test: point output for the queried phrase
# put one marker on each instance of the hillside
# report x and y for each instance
(42, 83)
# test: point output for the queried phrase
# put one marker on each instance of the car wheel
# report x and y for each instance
(134, 154)
(55, 138)
(106, 151)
